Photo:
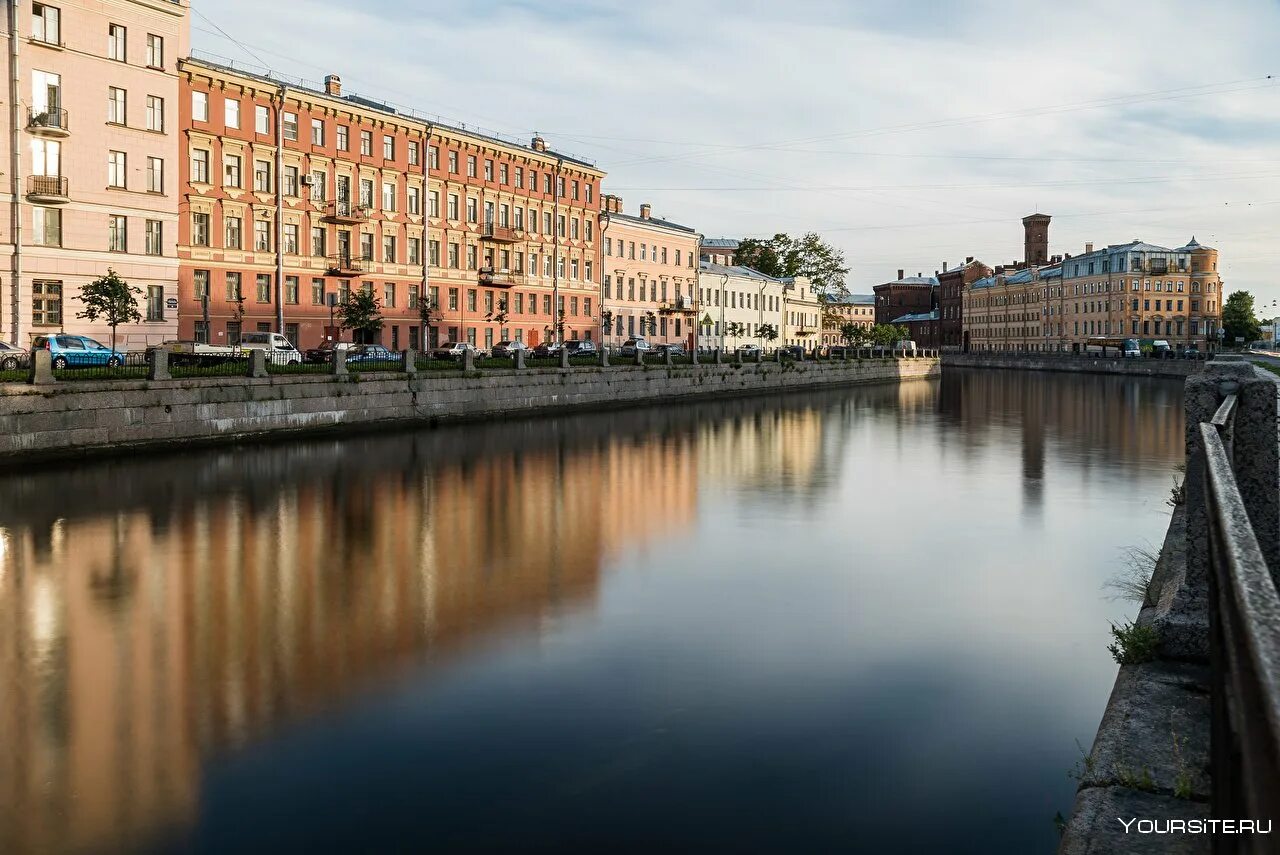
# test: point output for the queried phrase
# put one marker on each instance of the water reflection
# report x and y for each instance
(159, 615)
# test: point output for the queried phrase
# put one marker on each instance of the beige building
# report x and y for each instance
(801, 314)
(649, 276)
(736, 302)
(83, 194)
(856, 309)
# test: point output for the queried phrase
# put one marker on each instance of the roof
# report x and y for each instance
(1020, 277)
(378, 106)
(912, 280)
(650, 221)
(737, 270)
(918, 316)
(1193, 245)
(851, 299)
(720, 243)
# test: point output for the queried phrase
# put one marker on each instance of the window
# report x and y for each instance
(290, 126)
(502, 173)
(116, 106)
(413, 153)
(471, 166)
(317, 131)
(200, 106)
(366, 193)
(261, 120)
(233, 287)
(453, 255)
(317, 292)
(366, 246)
(155, 175)
(433, 248)
(433, 157)
(46, 226)
(118, 233)
(471, 257)
(263, 282)
(155, 51)
(388, 197)
(318, 183)
(415, 200)
(389, 295)
(318, 241)
(199, 166)
(46, 304)
(488, 169)
(453, 162)
(155, 302)
(231, 170)
(262, 176)
(116, 170)
(291, 238)
(46, 24)
(388, 148)
(155, 113)
(116, 42)
(389, 249)
(231, 113)
(344, 143)
(415, 250)
(519, 176)
(200, 279)
(453, 206)
(232, 233)
(290, 181)
(200, 229)
(261, 236)
(366, 143)
(472, 210)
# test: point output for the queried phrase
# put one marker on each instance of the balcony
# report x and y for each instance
(498, 234)
(50, 123)
(347, 265)
(48, 190)
(500, 278)
(678, 306)
(345, 212)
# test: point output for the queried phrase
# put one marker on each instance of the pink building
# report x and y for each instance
(91, 152)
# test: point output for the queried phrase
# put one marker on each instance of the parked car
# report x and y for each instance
(77, 351)
(1191, 352)
(12, 357)
(507, 348)
(323, 352)
(905, 344)
(837, 351)
(632, 345)
(1132, 348)
(749, 350)
(279, 349)
(547, 350)
(795, 351)
(1161, 350)
(580, 347)
(370, 353)
(674, 348)
(452, 350)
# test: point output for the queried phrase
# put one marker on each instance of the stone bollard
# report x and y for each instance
(719, 356)
(737, 356)
(564, 356)
(639, 359)
(777, 354)
(338, 361)
(520, 359)
(845, 354)
(257, 362)
(666, 356)
(693, 355)
(604, 357)
(411, 361)
(158, 364)
(41, 371)
(760, 356)
(800, 355)
(468, 359)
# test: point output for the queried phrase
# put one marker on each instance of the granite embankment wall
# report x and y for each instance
(76, 418)
(1176, 368)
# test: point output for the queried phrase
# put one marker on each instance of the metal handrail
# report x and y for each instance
(1244, 648)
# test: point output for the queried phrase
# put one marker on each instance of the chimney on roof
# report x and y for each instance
(1088, 248)
(968, 259)
(944, 267)
(900, 273)
(617, 204)
(538, 144)
(333, 85)
(644, 211)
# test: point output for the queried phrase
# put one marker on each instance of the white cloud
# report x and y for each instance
(677, 100)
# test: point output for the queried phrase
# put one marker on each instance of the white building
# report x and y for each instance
(735, 302)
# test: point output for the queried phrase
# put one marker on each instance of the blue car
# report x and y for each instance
(77, 351)
(370, 353)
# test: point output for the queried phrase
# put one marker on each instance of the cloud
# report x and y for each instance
(909, 132)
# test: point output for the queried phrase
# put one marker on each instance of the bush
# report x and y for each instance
(1133, 644)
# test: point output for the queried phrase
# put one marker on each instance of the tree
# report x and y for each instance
(810, 256)
(767, 332)
(854, 335)
(110, 299)
(889, 334)
(362, 314)
(498, 315)
(735, 329)
(1238, 319)
(428, 314)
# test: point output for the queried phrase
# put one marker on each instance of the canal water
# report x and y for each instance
(860, 620)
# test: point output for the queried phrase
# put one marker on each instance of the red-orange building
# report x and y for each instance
(293, 196)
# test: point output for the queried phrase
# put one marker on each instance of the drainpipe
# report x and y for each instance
(15, 182)
(280, 210)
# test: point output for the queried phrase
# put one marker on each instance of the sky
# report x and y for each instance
(907, 133)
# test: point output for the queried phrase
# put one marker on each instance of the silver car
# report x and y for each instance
(12, 357)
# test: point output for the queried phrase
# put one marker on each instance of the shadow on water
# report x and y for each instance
(662, 626)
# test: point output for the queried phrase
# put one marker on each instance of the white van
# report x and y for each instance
(280, 350)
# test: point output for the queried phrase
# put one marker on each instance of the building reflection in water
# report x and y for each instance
(156, 613)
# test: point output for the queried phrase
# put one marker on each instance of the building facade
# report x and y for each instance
(85, 196)
(924, 328)
(648, 276)
(904, 296)
(720, 251)
(951, 287)
(736, 302)
(802, 315)
(856, 309)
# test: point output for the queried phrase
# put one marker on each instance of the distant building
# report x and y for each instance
(801, 313)
(904, 296)
(721, 251)
(856, 309)
(951, 287)
(923, 328)
(649, 276)
(738, 297)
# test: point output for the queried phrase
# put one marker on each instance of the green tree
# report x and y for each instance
(735, 329)
(112, 300)
(854, 335)
(428, 314)
(362, 314)
(499, 314)
(889, 334)
(809, 255)
(767, 332)
(1238, 318)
